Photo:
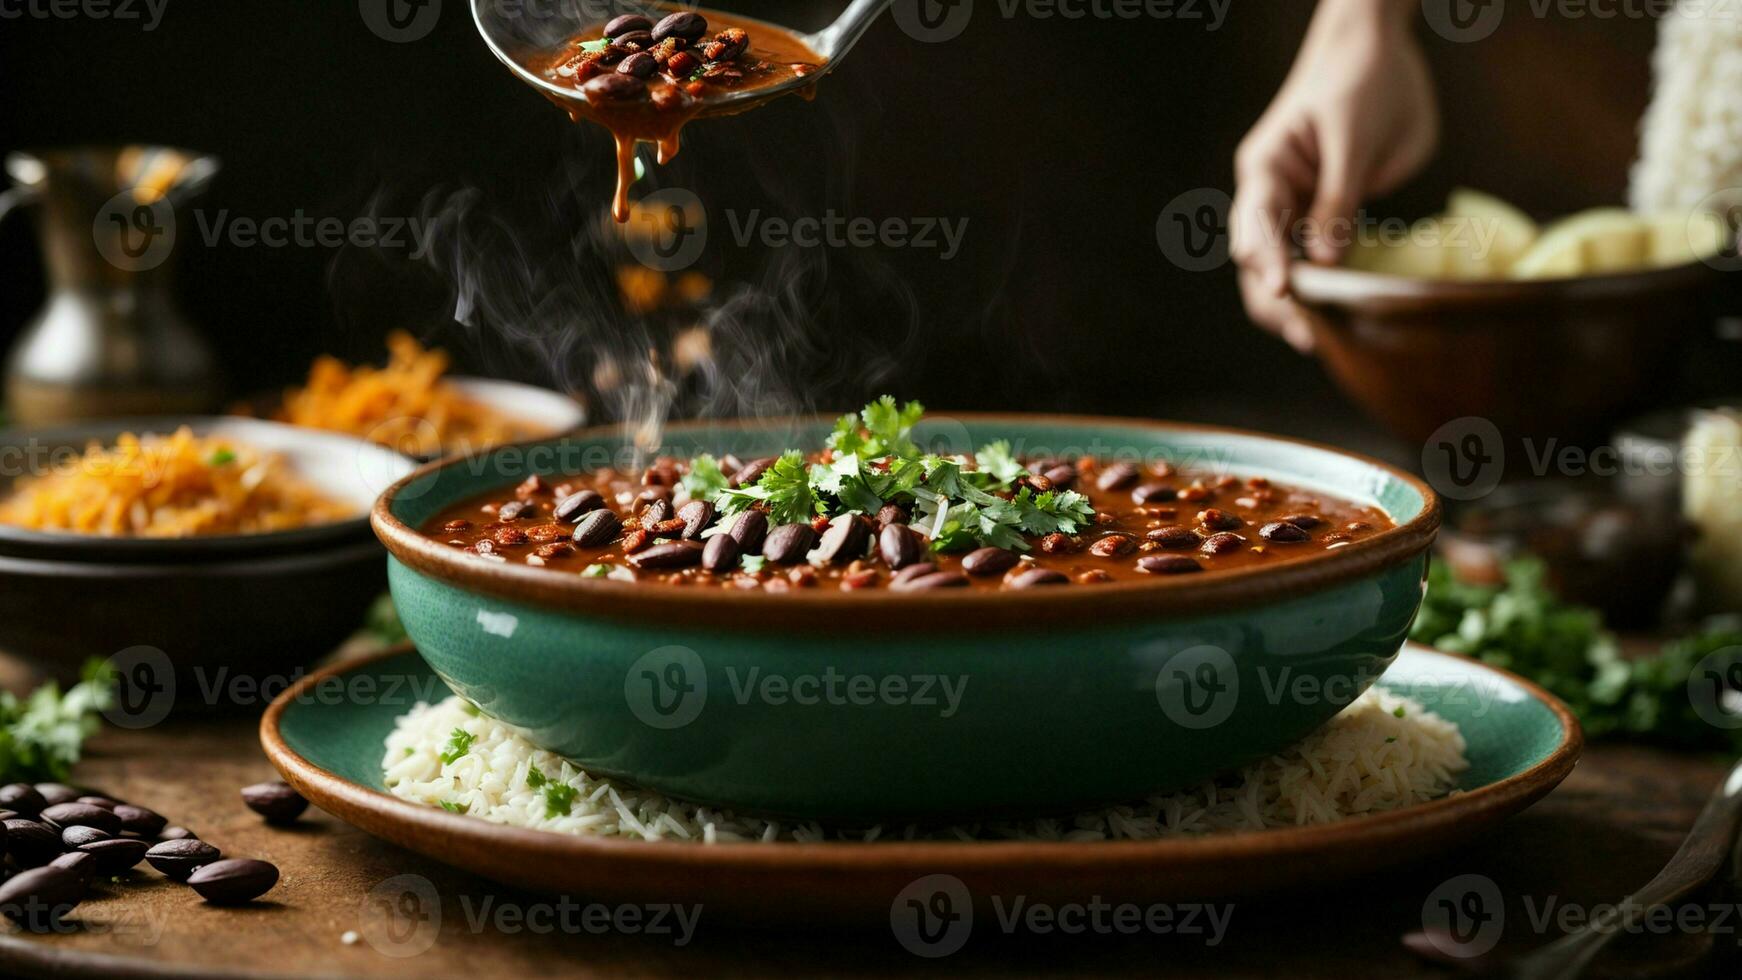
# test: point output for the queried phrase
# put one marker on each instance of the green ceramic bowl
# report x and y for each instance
(879, 705)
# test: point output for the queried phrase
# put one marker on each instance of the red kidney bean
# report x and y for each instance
(233, 880)
(177, 859)
(116, 854)
(697, 516)
(614, 87)
(53, 793)
(78, 862)
(22, 798)
(1093, 576)
(1173, 536)
(988, 561)
(512, 510)
(899, 546)
(686, 24)
(1219, 520)
(721, 554)
(1113, 545)
(1062, 475)
(1305, 522)
(624, 23)
(1153, 493)
(37, 899)
(640, 65)
(635, 39)
(845, 539)
(672, 554)
(77, 837)
(789, 543)
(911, 572)
(934, 580)
(1282, 532)
(1196, 494)
(1222, 543)
(177, 833)
(750, 530)
(1057, 543)
(275, 800)
(889, 514)
(597, 528)
(30, 843)
(571, 508)
(1032, 482)
(752, 471)
(649, 494)
(64, 815)
(1118, 476)
(1168, 565)
(1034, 577)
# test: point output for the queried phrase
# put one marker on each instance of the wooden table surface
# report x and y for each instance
(1614, 822)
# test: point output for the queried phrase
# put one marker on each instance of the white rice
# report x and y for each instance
(1691, 138)
(1381, 753)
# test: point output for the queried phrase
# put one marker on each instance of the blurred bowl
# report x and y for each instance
(1541, 357)
(216, 607)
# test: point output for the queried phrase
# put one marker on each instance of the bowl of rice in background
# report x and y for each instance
(193, 544)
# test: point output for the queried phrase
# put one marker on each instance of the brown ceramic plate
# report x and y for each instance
(326, 735)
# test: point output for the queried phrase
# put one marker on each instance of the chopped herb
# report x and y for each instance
(595, 45)
(1397, 712)
(596, 571)
(534, 778)
(1390, 738)
(41, 735)
(222, 457)
(752, 563)
(453, 807)
(408, 751)
(785, 488)
(558, 799)
(704, 481)
(1522, 626)
(459, 743)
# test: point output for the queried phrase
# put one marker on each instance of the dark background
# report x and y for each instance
(1060, 142)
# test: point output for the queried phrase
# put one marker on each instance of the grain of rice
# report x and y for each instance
(1366, 760)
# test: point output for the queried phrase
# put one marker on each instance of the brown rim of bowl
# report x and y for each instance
(904, 611)
(1373, 292)
(1373, 830)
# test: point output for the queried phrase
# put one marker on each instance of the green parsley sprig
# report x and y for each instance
(958, 502)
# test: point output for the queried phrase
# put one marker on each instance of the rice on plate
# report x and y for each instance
(1383, 752)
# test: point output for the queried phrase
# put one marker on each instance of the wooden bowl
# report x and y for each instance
(1538, 358)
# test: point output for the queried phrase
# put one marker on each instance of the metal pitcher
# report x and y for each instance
(110, 341)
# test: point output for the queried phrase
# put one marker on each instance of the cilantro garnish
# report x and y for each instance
(459, 743)
(222, 457)
(453, 807)
(957, 501)
(559, 798)
(534, 778)
(41, 734)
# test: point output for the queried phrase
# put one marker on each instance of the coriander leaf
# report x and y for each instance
(459, 743)
(891, 428)
(452, 807)
(785, 488)
(222, 457)
(534, 778)
(752, 563)
(846, 437)
(559, 798)
(996, 459)
(704, 481)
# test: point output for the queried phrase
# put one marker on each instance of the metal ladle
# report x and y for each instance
(522, 38)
